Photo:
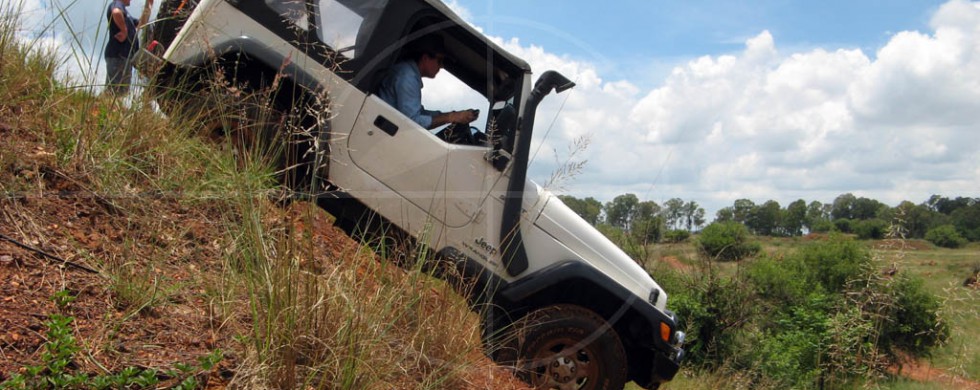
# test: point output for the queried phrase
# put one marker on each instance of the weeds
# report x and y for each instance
(322, 326)
(823, 316)
(57, 368)
(297, 314)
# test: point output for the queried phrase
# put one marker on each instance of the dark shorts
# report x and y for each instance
(119, 74)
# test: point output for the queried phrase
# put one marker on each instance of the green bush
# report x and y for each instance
(779, 282)
(945, 236)
(822, 226)
(713, 309)
(787, 356)
(727, 241)
(844, 225)
(833, 263)
(871, 229)
(819, 317)
(914, 325)
(677, 235)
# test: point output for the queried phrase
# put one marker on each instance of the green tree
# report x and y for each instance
(967, 221)
(947, 206)
(693, 215)
(620, 211)
(589, 208)
(674, 213)
(647, 222)
(794, 218)
(916, 220)
(865, 208)
(816, 214)
(742, 210)
(871, 229)
(765, 219)
(725, 214)
(843, 207)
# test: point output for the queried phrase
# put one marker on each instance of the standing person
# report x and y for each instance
(402, 86)
(123, 44)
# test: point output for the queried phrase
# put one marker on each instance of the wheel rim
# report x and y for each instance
(564, 364)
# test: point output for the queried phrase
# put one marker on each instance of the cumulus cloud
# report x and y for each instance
(75, 31)
(898, 124)
(760, 123)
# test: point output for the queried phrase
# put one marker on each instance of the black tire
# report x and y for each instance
(566, 347)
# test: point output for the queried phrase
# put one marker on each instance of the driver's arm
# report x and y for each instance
(465, 116)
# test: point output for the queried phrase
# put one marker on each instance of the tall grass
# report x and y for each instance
(354, 323)
(303, 316)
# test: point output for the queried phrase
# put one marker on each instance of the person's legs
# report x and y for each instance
(119, 72)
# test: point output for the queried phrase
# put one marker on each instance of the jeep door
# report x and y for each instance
(449, 182)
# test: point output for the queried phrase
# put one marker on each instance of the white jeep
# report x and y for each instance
(560, 302)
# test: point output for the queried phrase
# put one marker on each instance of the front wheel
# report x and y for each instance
(567, 347)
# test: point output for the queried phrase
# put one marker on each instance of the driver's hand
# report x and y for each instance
(466, 116)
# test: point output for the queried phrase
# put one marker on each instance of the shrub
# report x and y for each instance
(677, 235)
(871, 229)
(790, 352)
(822, 226)
(844, 225)
(727, 241)
(914, 325)
(831, 264)
(820, 317)
(945, 236)
(713, 309)
(779, 283)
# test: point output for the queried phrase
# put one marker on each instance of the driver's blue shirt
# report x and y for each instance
(402, 89)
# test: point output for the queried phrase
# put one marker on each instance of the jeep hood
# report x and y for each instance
(568, 228)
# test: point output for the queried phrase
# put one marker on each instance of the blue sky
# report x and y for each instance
(631, 37)
(714, 101)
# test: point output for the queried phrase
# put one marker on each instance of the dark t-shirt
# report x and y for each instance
(115, 48)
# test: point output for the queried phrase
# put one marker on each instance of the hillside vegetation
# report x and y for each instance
(826, 311)
(135, 252)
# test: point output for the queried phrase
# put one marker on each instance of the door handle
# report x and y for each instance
(386, 125)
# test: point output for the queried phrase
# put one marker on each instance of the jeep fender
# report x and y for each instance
(637, 321)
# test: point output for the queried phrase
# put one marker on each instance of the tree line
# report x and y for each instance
(950, 221)
(642, 221)
(938, 218)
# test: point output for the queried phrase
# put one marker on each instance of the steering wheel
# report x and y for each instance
(458, 133)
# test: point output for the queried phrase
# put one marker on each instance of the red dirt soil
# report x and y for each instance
(922, 371)
(675, 263)
(53, 212)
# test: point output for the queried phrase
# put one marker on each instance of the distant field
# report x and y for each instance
(943, 271)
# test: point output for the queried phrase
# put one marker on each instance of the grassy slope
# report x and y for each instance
(191, 257)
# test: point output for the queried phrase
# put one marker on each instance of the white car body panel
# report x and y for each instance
(445, 192)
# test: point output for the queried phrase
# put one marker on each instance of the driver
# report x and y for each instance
(402, 86)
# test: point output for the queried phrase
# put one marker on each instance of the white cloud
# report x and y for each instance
(75, 30)
(761, 124)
